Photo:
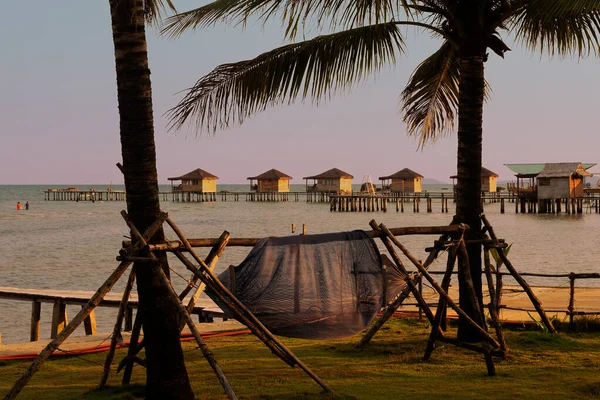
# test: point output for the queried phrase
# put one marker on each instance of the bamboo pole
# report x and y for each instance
(249, 242)
(493, 308)
(222, 291)
(439, 314)
(213, 256)
(132, 350)
(64, 334)
(80, 317)
(464, 269)
(409, 282)
(184, 315)
(397, 302)
(437, 287)
(116, 336)
(534, 300)
(241, 316)
(211, 261)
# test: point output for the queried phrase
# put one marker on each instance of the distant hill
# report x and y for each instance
(431, 181)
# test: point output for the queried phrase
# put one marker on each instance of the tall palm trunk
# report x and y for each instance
(166, 376)
(468, 188)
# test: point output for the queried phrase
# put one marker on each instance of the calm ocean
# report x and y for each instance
(73, 245)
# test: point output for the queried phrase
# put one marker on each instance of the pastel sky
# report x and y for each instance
(59, 119)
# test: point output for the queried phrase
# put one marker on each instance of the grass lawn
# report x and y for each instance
(538, 366)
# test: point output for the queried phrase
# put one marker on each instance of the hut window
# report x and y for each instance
(544, 182)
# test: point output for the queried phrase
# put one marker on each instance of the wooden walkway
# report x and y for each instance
(74, 194)
(206, 309)
(76, 345)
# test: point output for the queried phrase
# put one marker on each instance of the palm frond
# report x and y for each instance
(315, 68)
(560, 27)
(430, 99)
(336, 13)
(154, 10)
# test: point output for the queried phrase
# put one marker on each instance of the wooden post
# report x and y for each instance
(493, 307)
(464, 273)
(36, 311)
(534, 300)
(421, 293)
(133, 349)
(128, 319)
(232, 286)
(293, 228)
(571, 299)
(211, 260)
(304, 229)
(59, 318)
(438, 288)
(89, 323)
(116, 336)
(442, 305)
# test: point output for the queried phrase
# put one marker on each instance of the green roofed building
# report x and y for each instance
(545, 181)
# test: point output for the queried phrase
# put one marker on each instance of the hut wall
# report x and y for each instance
(345, 185)
(209, 185)
(328, 185)
(268, 186)
(576, 186)
(341, 185)
(406, 185)
(488, 184)
(283, 185)
(191, 186)
(417, 188)
(554, 188)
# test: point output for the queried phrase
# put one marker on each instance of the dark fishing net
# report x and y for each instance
(315, 286)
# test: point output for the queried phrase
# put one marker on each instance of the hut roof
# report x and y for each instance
(333, 173)
(271, 175)
(196, 174)
(405, 173)
(485, 173)
(534, 169)
(563, 170)
(525, 169)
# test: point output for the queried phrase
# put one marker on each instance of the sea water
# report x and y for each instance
(72, 245)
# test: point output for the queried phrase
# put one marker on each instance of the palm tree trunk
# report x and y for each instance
(468, 188)
(166, 375)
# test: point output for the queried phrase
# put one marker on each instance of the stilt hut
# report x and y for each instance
(332, 181)
(527, 174)
(405, 180)
(561, 181)
(488, 180)
(197, 181)
(270, 181)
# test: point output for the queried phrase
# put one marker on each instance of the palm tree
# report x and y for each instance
(449, 84)
(166, 375)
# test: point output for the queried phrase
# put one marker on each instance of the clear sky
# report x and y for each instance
(59, 118)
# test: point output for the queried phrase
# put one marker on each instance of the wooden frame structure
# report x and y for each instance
(139, 251)
(453, 241)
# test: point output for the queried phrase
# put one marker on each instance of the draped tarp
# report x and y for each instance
(315, 286)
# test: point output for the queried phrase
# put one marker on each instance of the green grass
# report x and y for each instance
(538, 366)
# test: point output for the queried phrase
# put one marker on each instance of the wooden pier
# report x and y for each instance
(204, 308)
(74, 194)
(195, 197)
(368, 203)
